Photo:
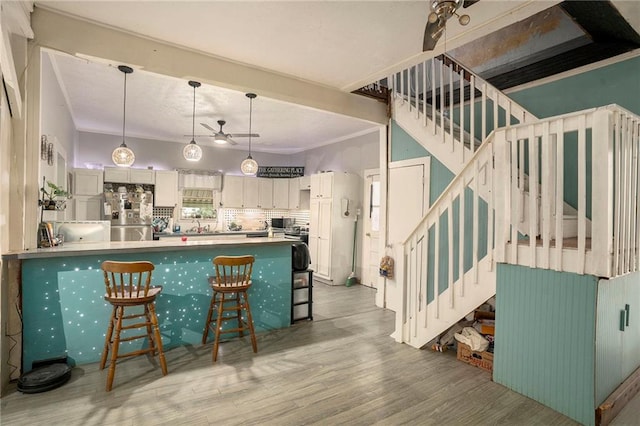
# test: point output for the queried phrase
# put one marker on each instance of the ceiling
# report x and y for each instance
(341, 45)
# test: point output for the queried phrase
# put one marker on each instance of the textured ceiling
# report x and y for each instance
(339, 44)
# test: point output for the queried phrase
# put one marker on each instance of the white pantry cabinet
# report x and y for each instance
(330, 231)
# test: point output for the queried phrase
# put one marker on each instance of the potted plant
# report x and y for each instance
(55, 197)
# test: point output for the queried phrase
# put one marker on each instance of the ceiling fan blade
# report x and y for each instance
(243, 135)
(432, 33)
(468, 3)
(206, 126)
(231, 141)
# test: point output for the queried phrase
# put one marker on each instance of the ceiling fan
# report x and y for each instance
(222, 138)
(441, 11)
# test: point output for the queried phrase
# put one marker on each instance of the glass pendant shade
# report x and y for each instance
(192, 152)
(249, 166)
(123, 156)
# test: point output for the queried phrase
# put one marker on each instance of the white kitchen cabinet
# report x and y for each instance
(128, 175)
(330, 231)
(322, 185)
(232, 191)
(258, 193)
(304, 183)
(251, 193)
(116, 174)
(281, 193)
(166, 189)
(142, 176)
(265, 194)
(88, 207)
(294, 194)
(87, 182)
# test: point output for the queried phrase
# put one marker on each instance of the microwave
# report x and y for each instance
(281, 222)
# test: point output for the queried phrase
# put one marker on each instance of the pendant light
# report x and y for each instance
(192, 152)
(123, 156)
(249, 167)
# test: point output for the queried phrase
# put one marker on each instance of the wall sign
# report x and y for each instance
(280, 171)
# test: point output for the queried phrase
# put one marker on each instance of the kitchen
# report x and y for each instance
(234, 203)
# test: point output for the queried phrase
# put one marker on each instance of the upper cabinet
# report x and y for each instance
(166, 189)
(232, 191)
(258, 193)
(304, 182)
(321, 185)
(128, 175)
(87, 182)
(281, 193)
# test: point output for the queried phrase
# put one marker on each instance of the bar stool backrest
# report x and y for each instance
(233, 271)
(127, 280)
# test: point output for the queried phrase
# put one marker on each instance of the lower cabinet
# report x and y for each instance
(301, 295)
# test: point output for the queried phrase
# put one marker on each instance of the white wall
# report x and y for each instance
(165, 155)
(352, 155)
(56, 119)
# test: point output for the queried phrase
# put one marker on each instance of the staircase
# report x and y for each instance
(501, 154)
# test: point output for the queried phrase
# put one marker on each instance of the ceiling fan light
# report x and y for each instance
(249, 166)
(433, 18)
(220, 139)
(464, 20)
(192, 151)
(123, 156)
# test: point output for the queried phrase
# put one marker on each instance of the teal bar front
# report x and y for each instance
(64, 313)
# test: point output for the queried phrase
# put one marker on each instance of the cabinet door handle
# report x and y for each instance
(623, 316)
(626, 308)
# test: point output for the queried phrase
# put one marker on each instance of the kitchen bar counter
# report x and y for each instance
(64, 312)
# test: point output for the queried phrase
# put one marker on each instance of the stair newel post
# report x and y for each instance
(400, 271)
(602, 213)
(501, 194)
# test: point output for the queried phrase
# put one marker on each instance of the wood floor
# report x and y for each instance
(342, 368)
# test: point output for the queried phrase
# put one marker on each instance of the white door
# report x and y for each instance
(407, 203)
(370, 258)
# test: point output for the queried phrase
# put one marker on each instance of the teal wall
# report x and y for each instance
(545, 333)
(614, 84)
(404, 147)
(64, 312)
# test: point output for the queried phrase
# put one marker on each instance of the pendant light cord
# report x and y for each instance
(193, 121)
(250, 114)
(124, 106)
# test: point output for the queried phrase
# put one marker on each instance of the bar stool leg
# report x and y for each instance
(107, 339)
(158, 338)
(238, 306)
(207, 324)
(254, 343)
(218, 327)
(119, 312)
(149, 322)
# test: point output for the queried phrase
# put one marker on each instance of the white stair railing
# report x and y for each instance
(447, 264)
(452, 105)
(590, 157)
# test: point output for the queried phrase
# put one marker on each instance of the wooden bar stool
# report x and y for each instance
(230, 285)
(128, 285)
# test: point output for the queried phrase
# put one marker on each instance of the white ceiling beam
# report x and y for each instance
(86, 39)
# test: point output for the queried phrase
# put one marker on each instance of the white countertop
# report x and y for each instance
(168, 244)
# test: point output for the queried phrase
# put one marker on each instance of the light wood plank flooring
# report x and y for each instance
(342, 368)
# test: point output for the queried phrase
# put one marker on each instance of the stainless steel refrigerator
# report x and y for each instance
(131, 214)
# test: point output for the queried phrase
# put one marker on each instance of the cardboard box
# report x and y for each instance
(483, 360)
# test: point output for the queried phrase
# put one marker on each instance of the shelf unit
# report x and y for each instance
(301, 295)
